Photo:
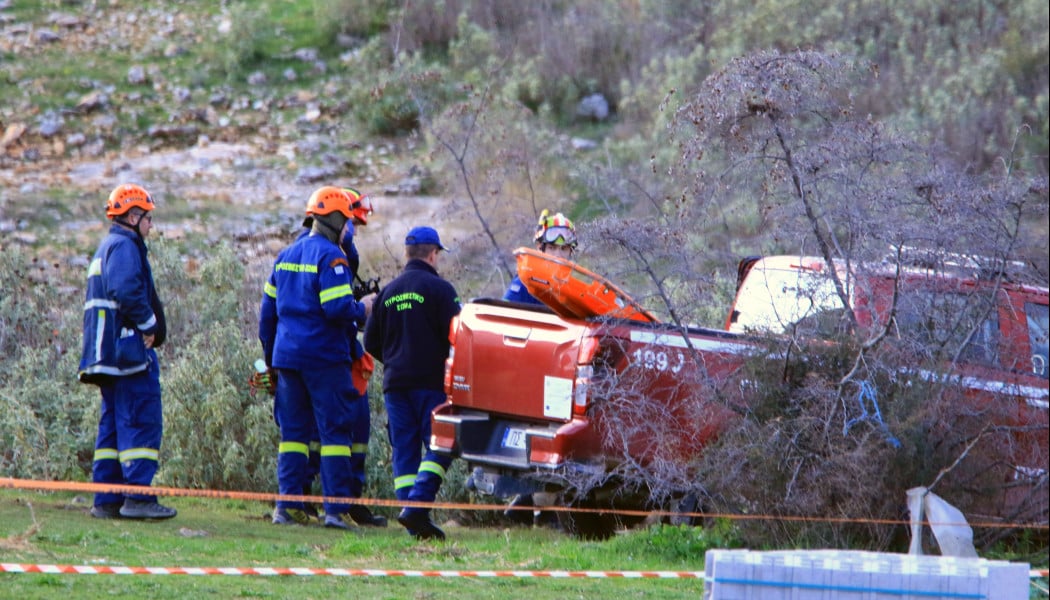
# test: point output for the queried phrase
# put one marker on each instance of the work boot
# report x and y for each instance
(290, 516)
(338, 522)
(418, 523)
(145, 509)
(363, 516)
(108, 510)
(310, 508)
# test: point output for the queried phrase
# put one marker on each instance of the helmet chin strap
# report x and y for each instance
(123, 220)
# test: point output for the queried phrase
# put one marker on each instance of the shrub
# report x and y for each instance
(216, 435)
(46, 426)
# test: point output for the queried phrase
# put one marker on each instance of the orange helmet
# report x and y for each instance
(360, 205)
(329, 199)
(124, 197)
(556, 230)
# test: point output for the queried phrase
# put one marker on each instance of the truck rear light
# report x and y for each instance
(588, 350)
(581, 389)
(448, 369)
(453, 327)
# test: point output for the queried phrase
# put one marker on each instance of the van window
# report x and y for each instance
(942, 323)
(1038, 325)
(788, 301)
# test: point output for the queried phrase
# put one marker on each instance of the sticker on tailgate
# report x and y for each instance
(557, 397)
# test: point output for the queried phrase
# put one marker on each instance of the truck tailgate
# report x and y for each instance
(514, 362)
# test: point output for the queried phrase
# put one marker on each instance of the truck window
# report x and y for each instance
(1038, 324)
(942, 323)
(788, 301)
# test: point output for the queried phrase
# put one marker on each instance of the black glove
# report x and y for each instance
(162, 323)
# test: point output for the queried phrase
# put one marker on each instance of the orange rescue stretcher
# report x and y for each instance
(574, 292)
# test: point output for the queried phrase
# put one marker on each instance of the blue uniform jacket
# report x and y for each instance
(308, 315)
(118, 308)
(408, 329)
(517, 292)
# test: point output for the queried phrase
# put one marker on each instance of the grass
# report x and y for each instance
(55, 528)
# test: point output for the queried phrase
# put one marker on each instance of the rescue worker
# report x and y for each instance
(408, 333)
(123, 325)
(555, 235)
(308, 320)
(361, 370)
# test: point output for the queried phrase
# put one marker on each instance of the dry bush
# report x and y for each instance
(781, 129)
(495, 163)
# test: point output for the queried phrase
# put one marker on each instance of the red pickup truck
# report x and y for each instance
(533, 391)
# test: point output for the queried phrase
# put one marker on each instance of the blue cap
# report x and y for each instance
(424, 235)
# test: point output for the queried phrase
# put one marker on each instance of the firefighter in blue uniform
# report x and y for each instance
(361, 371)
(408, 333)
(362, 367)
(307, 325)
(123, 324)
(555, 235)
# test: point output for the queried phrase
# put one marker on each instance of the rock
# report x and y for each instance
(174, 132)
(66, 21)
(105, 122)
(219, 99)
(46, 36)
(92, 101)
(314, 174)
(11, 134)
(137, 75)
(75, 140)
(96, 148)
(173, 50)
(582, 144)
(410, 186)
(182, 95)
(289, 74)
(313, 112)
(594, 107)
(306, 54)
(50, 123)
(257, 78)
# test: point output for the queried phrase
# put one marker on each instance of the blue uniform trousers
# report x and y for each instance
(408, 416)
(359, 451)
(129, 432)
(319, 402)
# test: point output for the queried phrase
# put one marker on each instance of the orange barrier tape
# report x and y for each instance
(68, 486)
(304, 571)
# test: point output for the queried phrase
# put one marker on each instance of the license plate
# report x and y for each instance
(514, 438)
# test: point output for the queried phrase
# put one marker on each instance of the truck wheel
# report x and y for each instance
(689, 503)
(587, 525)
(596, 525)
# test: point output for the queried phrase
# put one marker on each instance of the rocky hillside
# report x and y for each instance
(223, 163)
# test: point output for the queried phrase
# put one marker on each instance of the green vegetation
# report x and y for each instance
(56, 529)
